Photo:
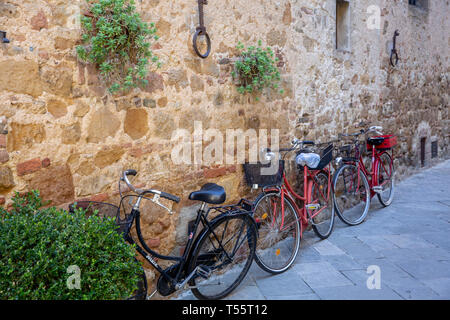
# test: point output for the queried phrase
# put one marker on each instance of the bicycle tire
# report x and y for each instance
(263, 253)
(387, 202)
(338, 209)
(141, 292)
(323, 234)
(204, 256)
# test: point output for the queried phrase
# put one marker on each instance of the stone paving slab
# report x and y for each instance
(326, 248)
(320, 275)
(283, 286)
(409, 241)
(441, 286)
(356, 293)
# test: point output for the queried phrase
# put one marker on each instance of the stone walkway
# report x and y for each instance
(409, 241)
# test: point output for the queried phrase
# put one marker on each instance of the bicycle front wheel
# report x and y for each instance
(323, 217)
(385, 173)
(351, 194)
(224, 256)
(278, 233)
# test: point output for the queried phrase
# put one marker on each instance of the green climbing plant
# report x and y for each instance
(117, 40)
(256, 69)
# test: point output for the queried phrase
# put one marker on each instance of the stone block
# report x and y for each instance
(29, 166)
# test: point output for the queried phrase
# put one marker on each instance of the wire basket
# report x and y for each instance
(105, 210)
(255, 177)
(351, 152)
(326, 157)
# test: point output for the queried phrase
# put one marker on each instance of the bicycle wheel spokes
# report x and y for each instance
(279, 233)
(351, 194)
(224, 256)
(323, 217)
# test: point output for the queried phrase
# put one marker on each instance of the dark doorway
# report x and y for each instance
(422, 151)
(434, 149)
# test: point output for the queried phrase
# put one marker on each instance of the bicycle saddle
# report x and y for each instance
(308, 159)
(209, 193)
(375, 141)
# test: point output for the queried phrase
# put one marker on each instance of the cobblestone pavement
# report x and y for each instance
(409, 241)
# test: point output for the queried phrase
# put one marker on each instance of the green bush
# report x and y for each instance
(117, 40)
(37, 246)
(256, 69)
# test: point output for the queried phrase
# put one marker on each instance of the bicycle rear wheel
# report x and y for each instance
(351, 194)
(224, 254)
(385, 173)
(141, 292)
(278, 234)
(323, 218)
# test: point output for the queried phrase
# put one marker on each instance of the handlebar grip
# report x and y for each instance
(131, 172)
(309, 142)
(170, 196)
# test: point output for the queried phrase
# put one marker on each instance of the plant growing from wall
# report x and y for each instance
(256, 69)
(117, 41)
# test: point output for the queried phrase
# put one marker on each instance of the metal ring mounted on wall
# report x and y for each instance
(394, 53)
(394, 49)
(200, 32)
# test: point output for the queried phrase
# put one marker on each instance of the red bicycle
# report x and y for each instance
(354, 183)
(280, 220)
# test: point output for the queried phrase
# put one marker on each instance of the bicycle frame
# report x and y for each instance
(287, 191)
(372, 175)
(150, 254)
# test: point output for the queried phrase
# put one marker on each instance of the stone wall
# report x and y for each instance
(62, 133)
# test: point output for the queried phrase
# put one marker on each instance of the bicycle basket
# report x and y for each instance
(389, 141)
(255, 175)
(104, 209)
(326, 157)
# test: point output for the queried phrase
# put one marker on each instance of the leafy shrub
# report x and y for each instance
(256, 69)
(118, 42)
(38, 245)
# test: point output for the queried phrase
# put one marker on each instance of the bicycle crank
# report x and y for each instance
(199, 271)
(313, 206)
(204, 272)
(378, 189)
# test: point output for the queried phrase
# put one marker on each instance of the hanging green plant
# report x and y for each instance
(256, 69)
(117, 40)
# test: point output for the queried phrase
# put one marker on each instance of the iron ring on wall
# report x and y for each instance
(201, 31)
(394, 53)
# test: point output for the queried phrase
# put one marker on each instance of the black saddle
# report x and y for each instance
(209, 193)
(376, 141)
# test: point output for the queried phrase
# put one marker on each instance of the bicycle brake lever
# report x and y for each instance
(156, 198)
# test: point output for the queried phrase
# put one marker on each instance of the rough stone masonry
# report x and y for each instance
(62, 133)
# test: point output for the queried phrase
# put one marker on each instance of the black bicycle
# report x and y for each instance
(214, 262)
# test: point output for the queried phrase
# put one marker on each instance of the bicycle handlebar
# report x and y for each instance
(132, 172)
(376, 129)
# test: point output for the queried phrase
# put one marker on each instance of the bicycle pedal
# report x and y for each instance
(377, 189)
(313, 206)
(203, 272)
